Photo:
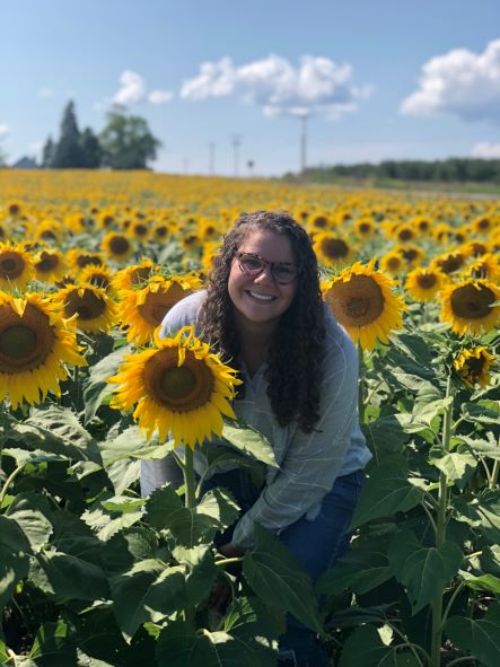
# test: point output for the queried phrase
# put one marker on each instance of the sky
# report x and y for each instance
(226, 83)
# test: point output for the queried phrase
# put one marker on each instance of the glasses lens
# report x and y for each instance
(284, 274)
(251, 264)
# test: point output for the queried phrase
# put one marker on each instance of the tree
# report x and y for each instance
(92, 151)
(48, 153)
(68, 152)
(127, 141)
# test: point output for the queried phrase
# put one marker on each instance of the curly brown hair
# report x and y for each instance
(293, 388)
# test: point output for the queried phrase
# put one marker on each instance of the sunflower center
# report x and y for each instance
(360, 299)
(48, 235)
(405, 235)
(17, 342)
(178, 382)
(451, 263)
(47, 263)
(88, 306)
(86, 260)
(426, 280)
(25, 342)
(180, 388)
(334, 248)
(140, 275)
(364, 228)
(472, 302)
(119, 245)
(393, 263)
(11, 266)
(140, 230)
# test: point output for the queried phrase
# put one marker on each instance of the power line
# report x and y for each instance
(236, 141)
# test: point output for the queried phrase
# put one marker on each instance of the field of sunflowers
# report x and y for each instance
(93, 575)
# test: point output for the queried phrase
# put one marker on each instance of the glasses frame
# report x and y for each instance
(265, 263)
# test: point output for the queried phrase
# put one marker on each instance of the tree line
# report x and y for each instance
(126, 142)
(453, 169)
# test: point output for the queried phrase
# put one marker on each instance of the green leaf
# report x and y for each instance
(362, 569)
(133, 444)
(96, 389)
(363, 648)
(483, 513)
(485, 582)
(149, 591)
(423, 570)
(385, 434)
(131, 545)
(277, 578)
(53, 647)
(479, 637)
(108, 522)
(220, 505)
(180, 645)
(454, 464)
(123, 474)
(428, 406)
(14, 560)
(487, 448)
(385, 492)
(484, 412)
(251, 442)
(189, 526)
(70, 577)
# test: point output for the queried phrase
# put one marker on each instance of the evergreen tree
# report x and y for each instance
(92, 151)
(127, 141)
(68, 152)
(48, 153)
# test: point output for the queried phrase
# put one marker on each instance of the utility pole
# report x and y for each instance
(211, 158)
(303, 143)
(236, 141)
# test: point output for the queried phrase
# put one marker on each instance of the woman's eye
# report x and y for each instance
(252, 263)
(284, 272)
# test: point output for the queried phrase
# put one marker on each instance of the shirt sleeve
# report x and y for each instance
(313, 460)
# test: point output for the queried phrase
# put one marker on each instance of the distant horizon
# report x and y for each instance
(226, 84)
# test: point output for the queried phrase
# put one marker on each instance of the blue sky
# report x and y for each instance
(376, 79)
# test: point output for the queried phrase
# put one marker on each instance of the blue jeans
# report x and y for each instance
(315, 543)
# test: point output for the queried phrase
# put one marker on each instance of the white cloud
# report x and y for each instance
(461, 83)
(45, 92)
(4, 131)
(486, 150)
(317, 85)
(132, 88)
(36, 146)
(160, 96)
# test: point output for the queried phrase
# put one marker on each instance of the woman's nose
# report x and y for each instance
(265, 275)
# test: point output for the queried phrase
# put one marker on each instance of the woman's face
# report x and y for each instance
(260, 299)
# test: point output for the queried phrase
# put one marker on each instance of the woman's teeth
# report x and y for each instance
(261, 297)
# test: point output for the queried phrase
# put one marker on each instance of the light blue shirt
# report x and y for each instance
(309, 462)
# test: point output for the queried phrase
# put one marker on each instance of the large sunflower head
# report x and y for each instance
(331, 250)
(486, 266)
(16, 266)
(364, 302)
(180, 387)
(117, 246)
(143, 310)
(450, 262)
(136, 275)
(424, 283)
(473, 366)
(93, 308)
(100, 277)
(468, 306)
(35, 345)
(79, 259)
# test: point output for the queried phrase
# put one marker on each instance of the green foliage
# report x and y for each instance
(127, 142)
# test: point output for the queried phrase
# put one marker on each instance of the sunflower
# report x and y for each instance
(79, 259)
(161, 232)
(179, 387)
(485, 266)
(331, 250)
(50, 265)
(412, 254)
(140, 230)
(365, 227)
(468, 306)
(35, 345)
(100, 277)
(143, 310)
(424, 283)
(473, 366)
(16, 266)
(404, 233)
(450, 262)
(363, 301)
(134, 275)
(94, 309)
(392, 262)
(117, 246)
(49, 231)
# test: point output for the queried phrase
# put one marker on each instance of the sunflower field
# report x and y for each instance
(93, 575)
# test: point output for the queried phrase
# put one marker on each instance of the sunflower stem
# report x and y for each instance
(361, 384)
(9, 481)
(189, 481)
(493, 482)
(437, 601)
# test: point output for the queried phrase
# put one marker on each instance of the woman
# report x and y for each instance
(264, 314)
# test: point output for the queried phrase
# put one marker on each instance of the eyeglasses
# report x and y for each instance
(253, 265)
